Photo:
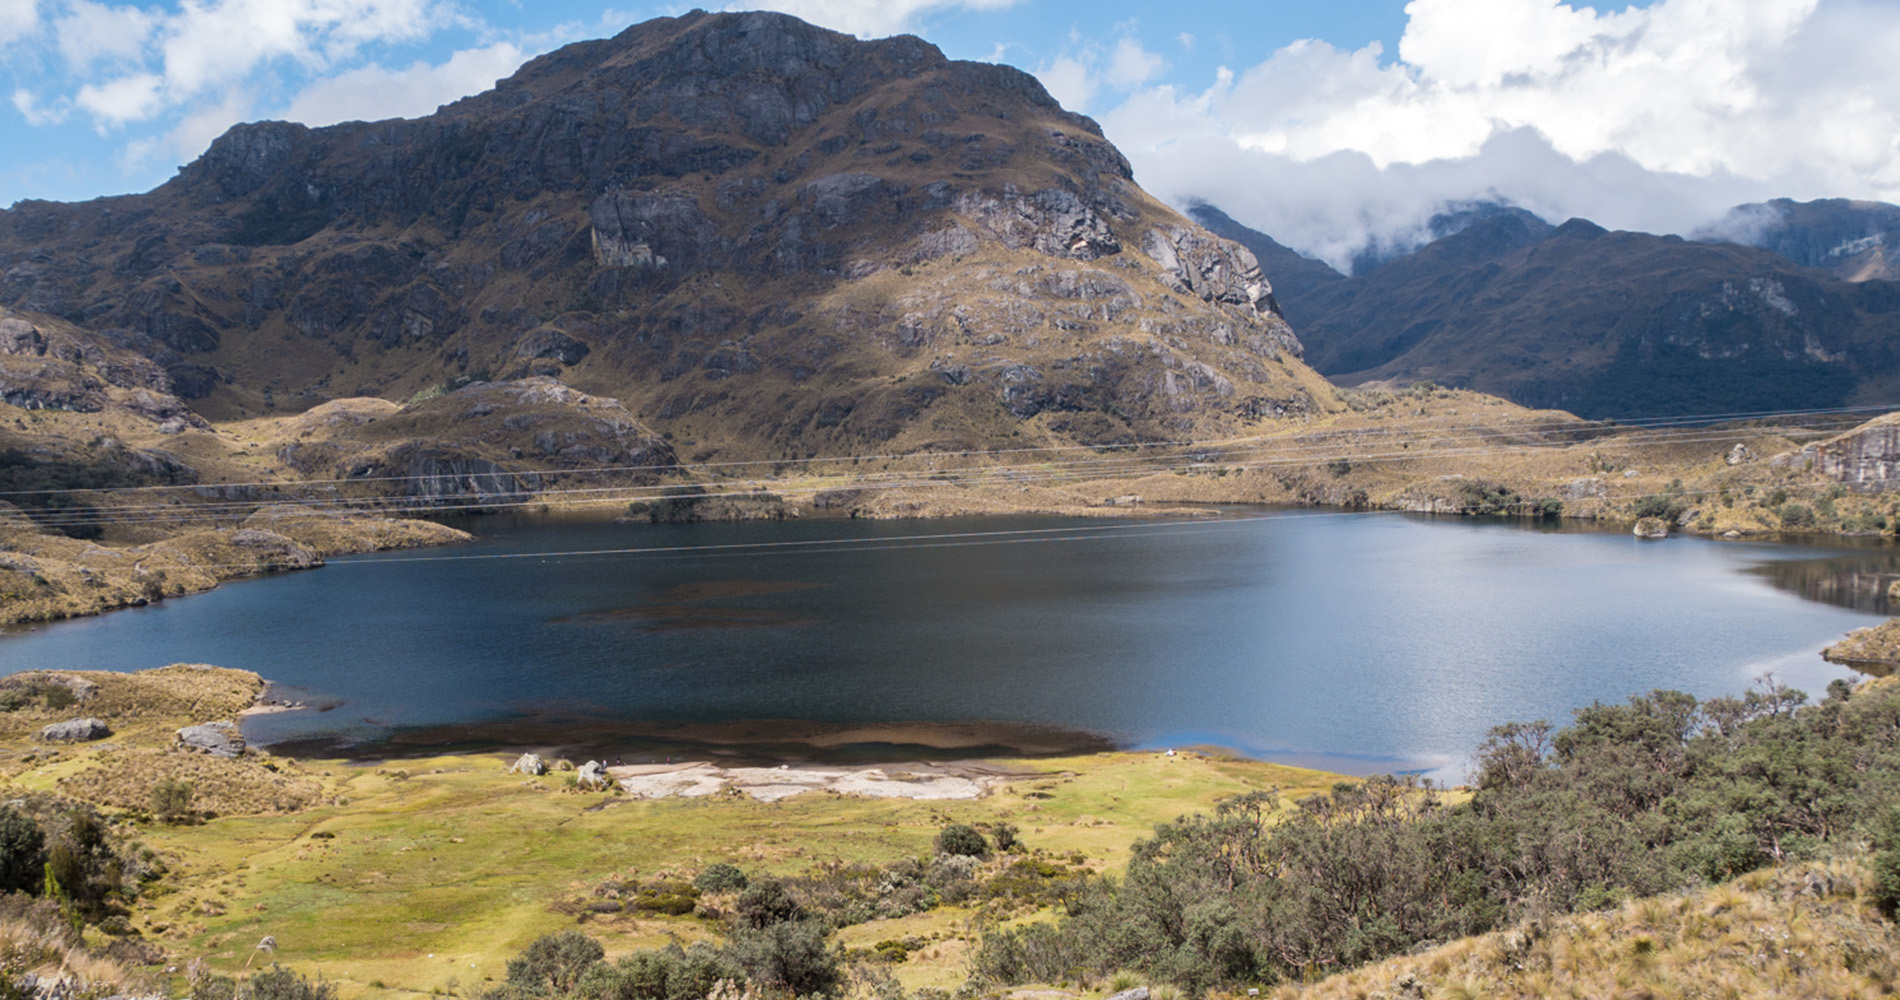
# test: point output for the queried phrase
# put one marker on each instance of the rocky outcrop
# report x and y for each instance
(1217, 271)
(529, 764)
(76, 731)
(1867, 457)
(592, 777)
(219, 739)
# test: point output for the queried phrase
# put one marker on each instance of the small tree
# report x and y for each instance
(171, 801)
(960, 839)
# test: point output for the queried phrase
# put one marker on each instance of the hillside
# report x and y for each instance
(1852, 240)
(1600, 323)
(754, 237)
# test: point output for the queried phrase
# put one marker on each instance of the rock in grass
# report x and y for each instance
(76, 731)
(1138, 993)
(219, 739)
(530, 764)
(592, 774)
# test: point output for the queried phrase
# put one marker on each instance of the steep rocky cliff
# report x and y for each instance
(747, 234)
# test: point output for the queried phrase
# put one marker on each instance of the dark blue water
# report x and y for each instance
(1358, 641)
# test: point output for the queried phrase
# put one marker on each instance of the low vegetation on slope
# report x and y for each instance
(1632, 800)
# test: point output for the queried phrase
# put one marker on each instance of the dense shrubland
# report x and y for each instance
(1656, 795)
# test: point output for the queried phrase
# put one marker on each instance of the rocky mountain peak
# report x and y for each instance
(756, 233)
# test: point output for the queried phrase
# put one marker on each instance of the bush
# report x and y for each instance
(958, 839)
(1796, 515)
(22, 852)
(720, 878)
(276, 983)
(553, 964)
(673, 973)
(1668, 508)
(1887, 866)
(791, 955)
(171, 801)
(767, 902)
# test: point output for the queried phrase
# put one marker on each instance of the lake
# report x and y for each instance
(1359, 642)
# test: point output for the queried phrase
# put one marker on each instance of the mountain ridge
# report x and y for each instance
(761, 237)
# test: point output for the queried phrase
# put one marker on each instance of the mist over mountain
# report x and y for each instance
(1612, 324)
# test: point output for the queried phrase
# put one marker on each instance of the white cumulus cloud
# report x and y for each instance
(373, 92)
(867, 18)
(18, 18)
(91, 32)
(1655, 117)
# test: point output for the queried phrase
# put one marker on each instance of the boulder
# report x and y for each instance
(1138, 993)
(1740, 454)
(529, 764)
(76, 731)
(592, 775)
(1651, 527)
(219, 739)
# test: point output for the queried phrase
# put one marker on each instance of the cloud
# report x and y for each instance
(867, 18)
(92, 32)
(1131, 65)
(181, 58)
(1655, 117)
(18, 18)
(126, 99)
(373, 92)
(1084, 69)
(35, 113)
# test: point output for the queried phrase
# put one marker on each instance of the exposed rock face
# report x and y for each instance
(219, 739)
(529, 764)
(1867, 457)
(76, 731)
(789, 239)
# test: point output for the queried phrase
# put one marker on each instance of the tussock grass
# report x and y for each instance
(125, 779)
(1799, 931)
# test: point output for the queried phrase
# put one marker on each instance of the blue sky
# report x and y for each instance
(1329, 125)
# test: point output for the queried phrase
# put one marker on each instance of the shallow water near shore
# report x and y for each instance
(1365, 642)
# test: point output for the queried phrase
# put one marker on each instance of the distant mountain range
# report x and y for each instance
(1785, 305)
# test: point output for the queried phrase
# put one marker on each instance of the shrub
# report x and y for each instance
(672, 973)
(277, 983)
(1796, 515)
(1668, 508)
(171, 801)
(720, 877)
(958, 839)
(791, 955)
(22, 852)
(767, 902)
(1887, 866)
(552, 965)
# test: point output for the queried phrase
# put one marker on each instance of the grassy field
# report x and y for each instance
(424, 876)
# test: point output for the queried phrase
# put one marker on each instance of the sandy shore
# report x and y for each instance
(699, 779)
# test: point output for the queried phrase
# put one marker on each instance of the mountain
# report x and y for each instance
(1295, 276)
(1604, 324)
(739, 233)
(1852, 240)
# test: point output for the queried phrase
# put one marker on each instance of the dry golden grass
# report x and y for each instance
(1801, 931)
(225, 787)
